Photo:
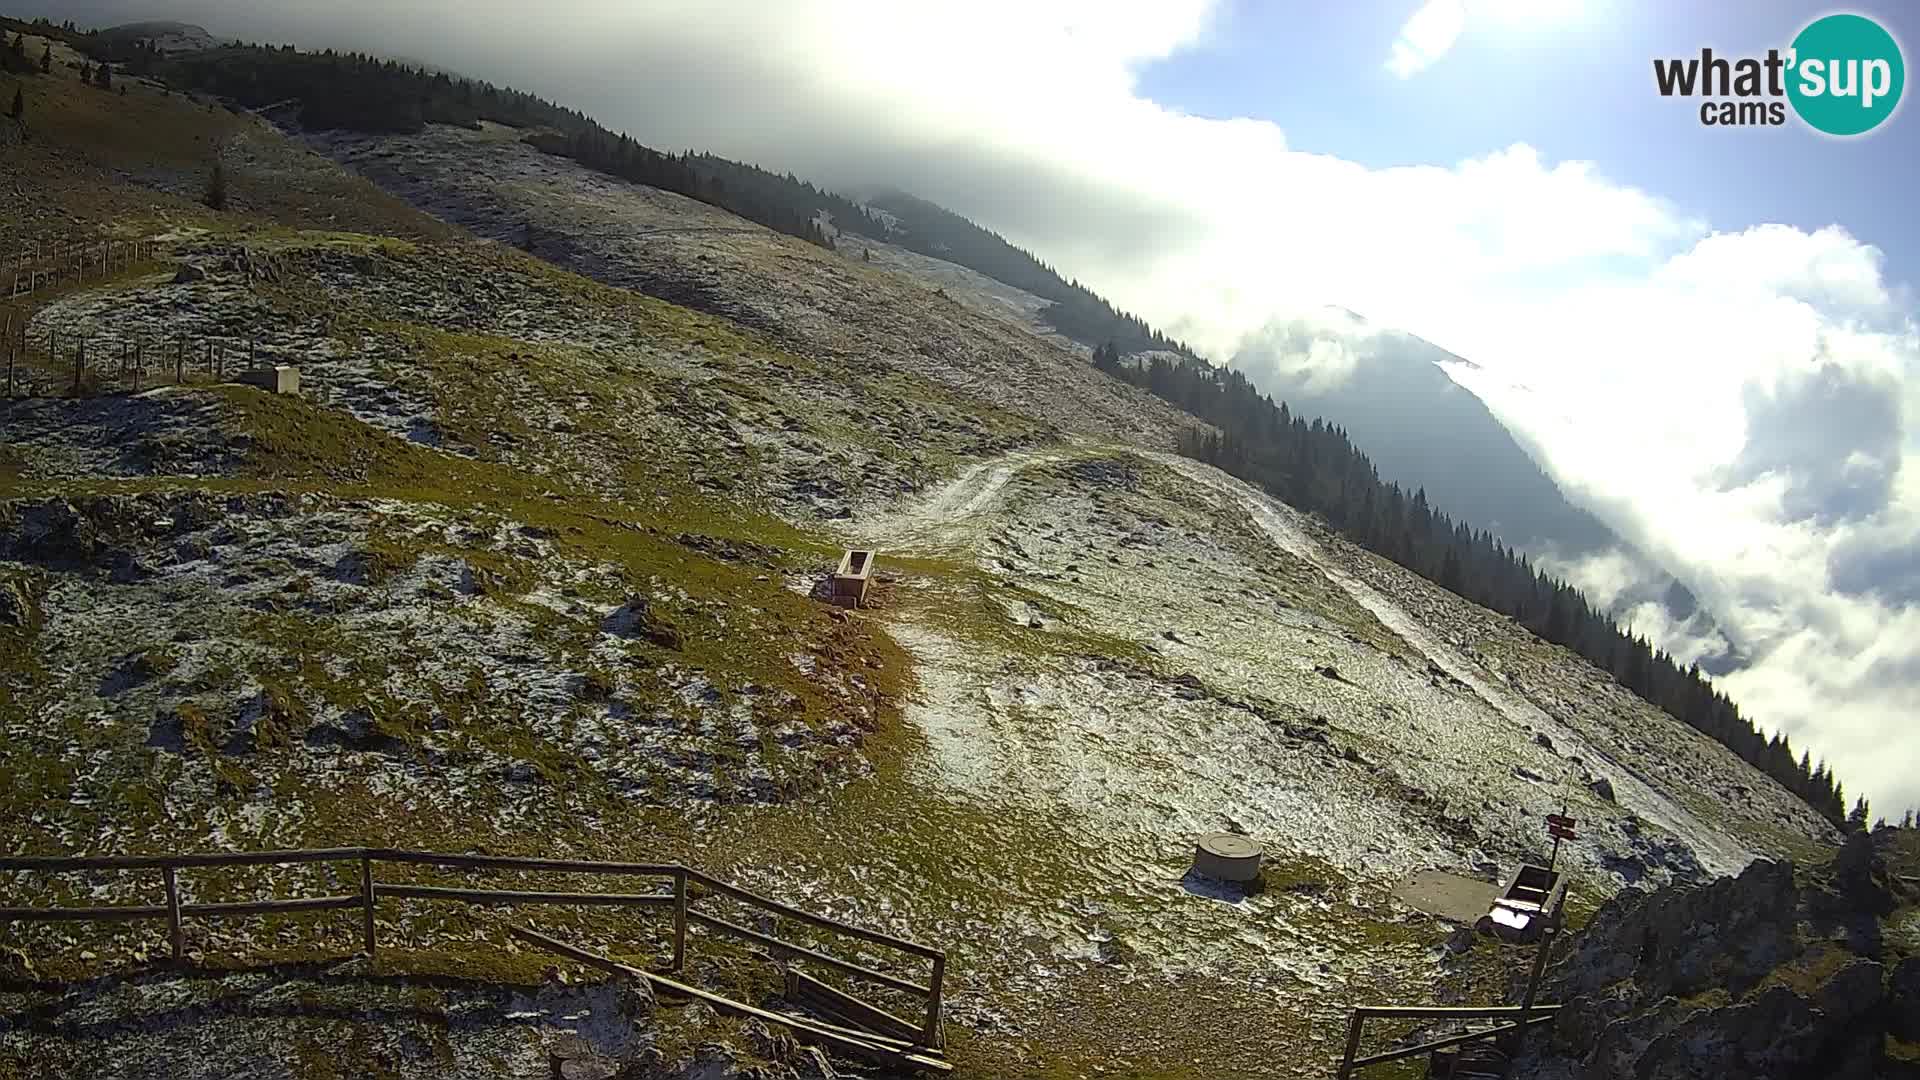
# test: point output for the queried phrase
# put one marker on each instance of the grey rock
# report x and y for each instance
(811, 1064)
(1903, 1000)
(14, 607)
(1854, 990)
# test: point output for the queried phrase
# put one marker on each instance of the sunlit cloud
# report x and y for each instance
(1426, 36)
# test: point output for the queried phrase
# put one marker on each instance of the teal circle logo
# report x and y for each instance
(1847, 74)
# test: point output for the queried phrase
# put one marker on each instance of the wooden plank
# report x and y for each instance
(1442, 1044)
(367, 898)
(787, 950)
(1445, 1012)
(176, 937)
(805, 989)
(860, 1047)
(506, 896)
(514, 862)
(266, 907)
(821, 921)
(108, 913)
(1355, 1024)
(64, 864)
(933, 1033)
(680, 920)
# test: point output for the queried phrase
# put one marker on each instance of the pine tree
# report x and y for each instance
(103, 76)
(216, 195)
(1857, 820)
(46, 60)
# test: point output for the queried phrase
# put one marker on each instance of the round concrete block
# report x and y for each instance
(1227, 856)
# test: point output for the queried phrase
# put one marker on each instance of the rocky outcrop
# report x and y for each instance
(1777, 973)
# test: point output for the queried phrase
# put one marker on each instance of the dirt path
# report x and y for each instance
(950, 516)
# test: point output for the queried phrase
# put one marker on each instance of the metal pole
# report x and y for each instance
(174, 931)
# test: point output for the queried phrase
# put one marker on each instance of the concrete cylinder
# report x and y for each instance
(1227, 857)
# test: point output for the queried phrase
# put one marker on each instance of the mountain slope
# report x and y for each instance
(528, 568)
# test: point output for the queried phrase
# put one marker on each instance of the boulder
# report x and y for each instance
(1903, 1000)
(15, 609)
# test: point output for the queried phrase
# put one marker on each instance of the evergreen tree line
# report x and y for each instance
(1075, 310)
(1315, 468)
(354, 92)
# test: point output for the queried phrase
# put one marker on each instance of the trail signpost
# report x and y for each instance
(1560, 827)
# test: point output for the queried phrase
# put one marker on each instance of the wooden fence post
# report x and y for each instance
(366, 899)
(174, 931)
(679, 918)
(1353, 1045)
(930, 1035)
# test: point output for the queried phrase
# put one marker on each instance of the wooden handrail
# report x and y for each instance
(60, 864)
(1446, 1012)
(516, 862)
(1441, 1044)
(1522, 1017)
(370, 891)
(511, 896)
(779, 947)
(821, 921)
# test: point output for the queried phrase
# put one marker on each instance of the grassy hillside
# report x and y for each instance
(530, 566)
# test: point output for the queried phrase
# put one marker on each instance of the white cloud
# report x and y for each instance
(1736, 403)
(1426, 36)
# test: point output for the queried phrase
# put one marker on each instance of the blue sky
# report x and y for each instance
(1576, 84)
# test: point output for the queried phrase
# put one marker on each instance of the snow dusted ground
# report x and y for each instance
(1112, 649)
(1152, 650)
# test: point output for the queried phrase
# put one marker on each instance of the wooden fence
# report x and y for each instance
(87, 363)
(53, 262)
(83, 361)
(371, 891)
(1519, 1019)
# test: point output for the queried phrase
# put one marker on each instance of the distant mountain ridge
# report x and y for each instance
(1420, 428)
